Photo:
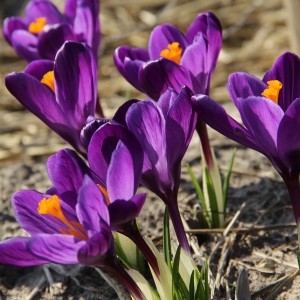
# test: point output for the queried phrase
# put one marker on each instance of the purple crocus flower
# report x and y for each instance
(44, 29)
(71, 231)
(69, 224)
(62, 94)
(174, 59)
(116, 158)
(270, 112)
(164, 130)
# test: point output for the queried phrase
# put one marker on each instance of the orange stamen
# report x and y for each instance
(104, 192)
(48, 80)
(37, 26)
(51, 206)
(173, 52)
(272, 91)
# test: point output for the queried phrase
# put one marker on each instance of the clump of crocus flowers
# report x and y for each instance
(90, 214)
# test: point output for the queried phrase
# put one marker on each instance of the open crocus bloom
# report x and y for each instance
(44, 29)
(270, 112)
(62, 94)
(77, 214)
(75, 230)
(173, 59)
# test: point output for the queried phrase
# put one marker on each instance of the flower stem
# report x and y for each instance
(293, 186)
(115, 274)
(132, 232)
(178, 227)
(202, 132)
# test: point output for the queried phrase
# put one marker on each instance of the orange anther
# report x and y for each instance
(173, 52)
(272, 91)
(37, 26)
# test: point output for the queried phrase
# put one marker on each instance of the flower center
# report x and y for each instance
(272, 91)
(37, 26)
(173, 52)
(48, 79)
(51, 207)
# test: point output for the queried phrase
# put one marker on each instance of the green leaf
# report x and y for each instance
(199, 193)
(179, 290)
(120, 252)
(140, 261)
(175, 271)
(192, 286)
(167, 239)
(200, 292)
(183, 290)
(227, 179)
(212, 199)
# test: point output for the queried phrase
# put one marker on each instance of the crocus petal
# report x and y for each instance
(56, 248)
(86, 23)
(102, 145)
(70, 9)
(195, 60)
(91, 126)
(163, 35)
(124, 172)
(123, 211)
(216, 117)
(289, 138)
(209, 25)
(36, 97)
(146, 121)
(242, 85)
(15, 252)
(39, 68)
(66, 170)
(91, 206)
(129, 61)
(286, 70)
(76, 82)
(25, 203)
(43, 8)
(10, 25)
(158, 75)
(262, 118)
(120, 114)
(25, 44)
(97, 247)
(52, 38)
(166, 101)
(181, 119)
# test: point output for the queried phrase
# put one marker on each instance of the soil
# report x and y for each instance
(263, 238)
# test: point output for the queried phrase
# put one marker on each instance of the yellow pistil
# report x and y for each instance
(272, 91)
(173, 52)
(51, 206)
(37, 26)
(104, 192)
(48, 79)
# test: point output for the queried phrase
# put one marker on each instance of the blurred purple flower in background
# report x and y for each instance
(45, 29)
(174, 59)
